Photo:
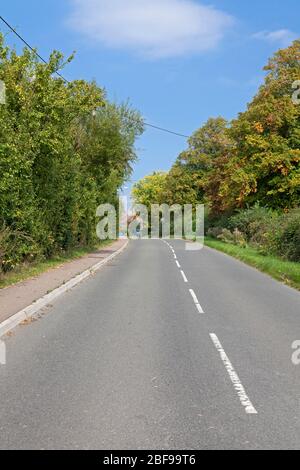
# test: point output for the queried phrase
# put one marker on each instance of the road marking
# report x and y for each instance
(196, 301)
(175, 257)
(184, 276)
(194, 296)
(199, 308)
(2, 353)
(178, 265)
(244, 399)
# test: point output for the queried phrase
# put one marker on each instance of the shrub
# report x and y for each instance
(64, 150)
(236, 237)
(255, 223)
(286, 238)
(15, 248)
(214, 232)
(269, 231)
(214, 222)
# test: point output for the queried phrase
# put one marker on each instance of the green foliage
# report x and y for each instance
(214, 232)
(285, 238)
(265, 164)
(248, 171)
(187, 182)
(235, 237)
(253, 159)
(256, 223)
(269, 231)
(64, 149)
(150, 190)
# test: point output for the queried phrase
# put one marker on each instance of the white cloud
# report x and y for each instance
(152, 28)
(284, 37)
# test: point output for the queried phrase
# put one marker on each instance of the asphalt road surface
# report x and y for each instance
(161, 349)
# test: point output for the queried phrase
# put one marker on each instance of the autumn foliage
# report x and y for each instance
(252, 161)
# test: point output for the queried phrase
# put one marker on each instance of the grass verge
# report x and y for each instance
(284, 271)
(28, 271)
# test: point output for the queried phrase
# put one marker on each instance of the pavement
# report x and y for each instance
(162, 349)
(18, 296)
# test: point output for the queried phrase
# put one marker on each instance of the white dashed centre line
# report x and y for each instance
(244, 399)
(196, 301)
(184, 276)
(178, 265)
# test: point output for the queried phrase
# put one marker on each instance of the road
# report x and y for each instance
(161, 349)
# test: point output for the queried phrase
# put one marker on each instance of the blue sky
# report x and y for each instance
(178, 61)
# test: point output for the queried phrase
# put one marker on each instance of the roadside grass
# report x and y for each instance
(27, 271)
(284, 271)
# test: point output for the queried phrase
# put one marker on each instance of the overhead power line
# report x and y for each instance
(67, 81)
(166, 130)
(30, 47)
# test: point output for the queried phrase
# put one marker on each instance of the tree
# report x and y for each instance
(150, 190)
(64, 149)
(187, 181)
(264, 166)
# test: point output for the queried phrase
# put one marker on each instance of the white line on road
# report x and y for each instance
(196, 301)
(184, 276)
(194, 296)
(244, 399)
(199, 308)
(178, 265)
(175, 257)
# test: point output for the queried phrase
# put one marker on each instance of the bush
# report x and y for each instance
(214, 232)
(269, 231)
(64, 150)
(236, 237)
(255, 223)
(15, 248)
(286, 238)
(215, 223)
